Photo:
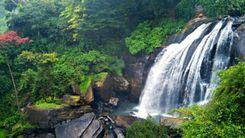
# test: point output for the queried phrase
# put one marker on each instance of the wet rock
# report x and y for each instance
(73, 100)
(172, 122)
(89, 96)
(113, 101)
(110, 86)
(48, 118)
(120, 84)
(103, 108)
(74, 128)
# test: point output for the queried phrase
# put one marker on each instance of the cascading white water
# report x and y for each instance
(186, 73)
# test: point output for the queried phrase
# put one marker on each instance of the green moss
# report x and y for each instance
(100, 78)
(48, 106)
(49, 103)
(85, 82)
(75, 98)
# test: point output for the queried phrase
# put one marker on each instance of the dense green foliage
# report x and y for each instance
(224, 115)
(213, 8)
(223, 7)
(146, 129)
(145, 38)
(186, 9)
(39, 20)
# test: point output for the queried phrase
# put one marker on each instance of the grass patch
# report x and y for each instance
(49, 103)
(49, 106)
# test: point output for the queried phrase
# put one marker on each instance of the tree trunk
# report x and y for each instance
(13, 82)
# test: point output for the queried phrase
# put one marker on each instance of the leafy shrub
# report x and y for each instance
(223, 7)
(85, 82)
(147, 129)
(38, 79)
(14, 125)
(185, 9)
(20, 127)
(76, 68)
(145, 38)
(224, 115)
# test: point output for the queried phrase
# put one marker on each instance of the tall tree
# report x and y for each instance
(8, 43)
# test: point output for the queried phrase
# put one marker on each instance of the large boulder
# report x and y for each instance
(110, 86)
(86, 127)
(48, 118)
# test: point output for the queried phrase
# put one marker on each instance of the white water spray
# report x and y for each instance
(186, 73)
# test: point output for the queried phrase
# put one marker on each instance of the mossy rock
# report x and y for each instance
(100, 79)
(73, 100)
(47, 106)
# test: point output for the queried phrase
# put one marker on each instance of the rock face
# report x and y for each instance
(88, 126)
(134, 73)
(50, 117)
(85, 126)
(240, 41)
(110, 86)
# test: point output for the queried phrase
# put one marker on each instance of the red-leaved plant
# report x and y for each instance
(12, 37)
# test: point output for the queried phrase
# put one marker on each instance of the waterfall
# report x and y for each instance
(186, 73)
